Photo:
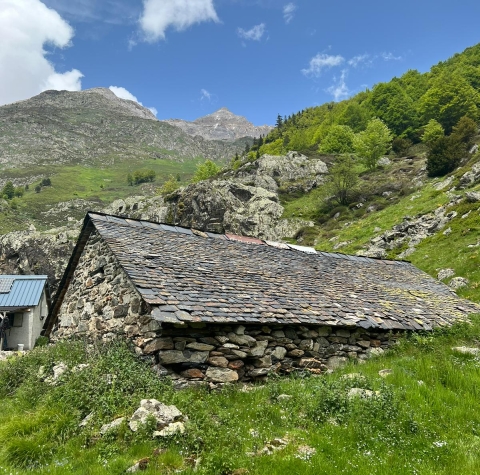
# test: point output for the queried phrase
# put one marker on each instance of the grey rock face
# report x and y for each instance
(472, 196)
(220, 125)
(290, 172)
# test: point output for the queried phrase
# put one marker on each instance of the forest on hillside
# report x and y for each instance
(414, 108)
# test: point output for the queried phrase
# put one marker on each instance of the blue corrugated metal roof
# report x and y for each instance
(25, 292)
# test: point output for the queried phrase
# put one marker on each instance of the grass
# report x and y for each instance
(101, 185)
(424, 420)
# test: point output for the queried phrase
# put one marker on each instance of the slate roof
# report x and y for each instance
(21, 291)
(191, 276)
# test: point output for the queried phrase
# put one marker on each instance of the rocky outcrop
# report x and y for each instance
(410, 232)
(471, 177)
(31, 252)
(221, 125)
(218, 206)
(288, 173)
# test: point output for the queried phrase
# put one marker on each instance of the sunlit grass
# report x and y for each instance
(425, 418)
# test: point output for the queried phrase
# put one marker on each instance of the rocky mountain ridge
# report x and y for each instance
(221, 125)
(91, 127)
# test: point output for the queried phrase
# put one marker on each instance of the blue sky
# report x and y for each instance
(187, 58)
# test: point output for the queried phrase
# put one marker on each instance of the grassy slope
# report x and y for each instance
(434, 253)
(85, 182)
(423, 421)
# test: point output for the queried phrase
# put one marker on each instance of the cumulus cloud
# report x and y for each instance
(254, 34)
(289, 12)
(339, 90)
(158, 15)
(359, 59)
(123, 93)
(26, 26)
(321, 62)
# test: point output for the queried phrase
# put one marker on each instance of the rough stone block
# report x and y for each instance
(159, 344)
(259, 349)
(279, 352)
(221, 375)
(219, 361)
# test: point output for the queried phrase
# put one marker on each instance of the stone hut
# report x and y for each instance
(218, 308)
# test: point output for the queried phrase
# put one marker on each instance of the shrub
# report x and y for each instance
(141, 176)
(46, 182)
(400, 146)
(8, 190)
(444, 156)
(205, 171)
(169, 186)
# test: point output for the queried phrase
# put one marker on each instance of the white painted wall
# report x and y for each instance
(30, 330)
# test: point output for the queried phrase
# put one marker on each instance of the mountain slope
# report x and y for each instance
(221, 125)
(92, 127)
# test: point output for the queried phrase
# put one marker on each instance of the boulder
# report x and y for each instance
(472, 196)
(164, 415)
(445, 274)
(112, 425)
(458, 283)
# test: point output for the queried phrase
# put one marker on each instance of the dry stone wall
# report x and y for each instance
(220, 353)
(101, 303)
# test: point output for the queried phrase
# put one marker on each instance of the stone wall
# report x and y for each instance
(220, 353)
(101, 303)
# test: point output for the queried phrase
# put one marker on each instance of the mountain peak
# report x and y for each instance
(222, 124)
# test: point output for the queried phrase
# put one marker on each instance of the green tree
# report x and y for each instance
(205, 171)
(279, 122)
(432, 132)
(130, 179)
(342, 179)
(339, 139)
(444, 156)
(169, 186)
(390, 103)
(465, 131)
(400, 146)
(356, 116)
(373, 142)
(8, 190)
(449, 98)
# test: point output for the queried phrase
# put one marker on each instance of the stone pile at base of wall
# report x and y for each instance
(220, 354)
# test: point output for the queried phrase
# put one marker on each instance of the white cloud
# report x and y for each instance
(339, 89)
(205, 95)
(289, 12)
(360, 59)
(254, 34)
(123, 93)
(26, 26)
(320, 62)
(390, 57)
(158, 15)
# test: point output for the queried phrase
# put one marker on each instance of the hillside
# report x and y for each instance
(87, 143)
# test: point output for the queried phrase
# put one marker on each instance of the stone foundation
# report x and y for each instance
(219, 353)
(101, 303)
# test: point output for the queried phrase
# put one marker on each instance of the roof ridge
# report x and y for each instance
(119, 219)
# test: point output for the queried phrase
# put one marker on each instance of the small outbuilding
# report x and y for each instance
(213, 307)
(24, 305)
